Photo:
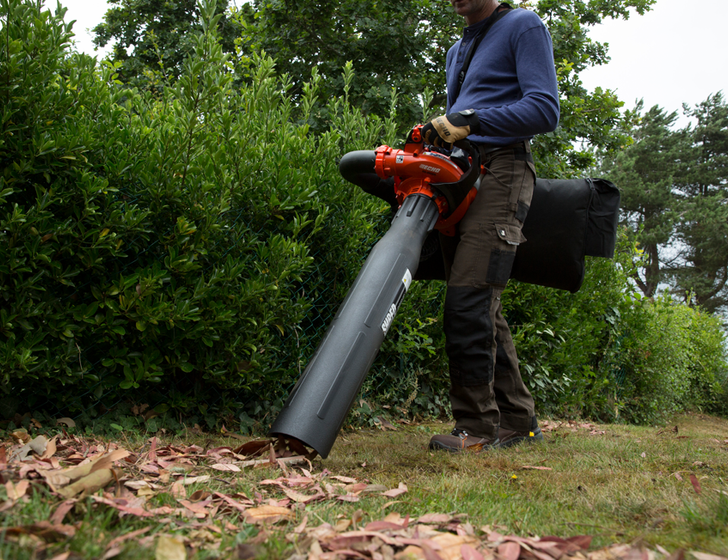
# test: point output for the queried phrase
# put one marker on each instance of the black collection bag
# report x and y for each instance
(568, 219)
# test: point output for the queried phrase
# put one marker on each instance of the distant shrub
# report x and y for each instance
(606, 352)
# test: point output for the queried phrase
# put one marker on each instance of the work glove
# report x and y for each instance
(444, 131)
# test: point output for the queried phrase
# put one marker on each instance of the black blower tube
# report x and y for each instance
(320, 401)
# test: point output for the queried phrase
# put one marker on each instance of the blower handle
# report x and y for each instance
(458, 191)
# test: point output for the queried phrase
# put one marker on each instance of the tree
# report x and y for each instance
(151, 38)
(588, 119)
(396, 46)
(402, 45)
(703, 188)
(675, 200)
(645, 173)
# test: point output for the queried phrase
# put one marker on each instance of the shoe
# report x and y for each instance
(508, 438)
(459, 440)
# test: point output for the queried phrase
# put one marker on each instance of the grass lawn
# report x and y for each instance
(638, 492)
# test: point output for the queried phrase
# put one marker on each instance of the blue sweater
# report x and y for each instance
(511, 81)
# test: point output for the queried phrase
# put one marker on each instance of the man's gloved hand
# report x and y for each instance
(444, 131)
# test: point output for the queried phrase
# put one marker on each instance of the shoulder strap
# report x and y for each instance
(497, 15)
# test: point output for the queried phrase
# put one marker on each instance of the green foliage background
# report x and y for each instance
(675, 200)
(186, 247)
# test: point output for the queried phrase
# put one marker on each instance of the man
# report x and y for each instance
(506, 95)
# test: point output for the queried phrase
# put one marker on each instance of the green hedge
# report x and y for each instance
(164, 243)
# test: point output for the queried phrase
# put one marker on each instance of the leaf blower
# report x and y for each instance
(568, 219)
(433, 191)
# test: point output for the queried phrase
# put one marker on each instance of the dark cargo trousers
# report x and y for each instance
(486, 386)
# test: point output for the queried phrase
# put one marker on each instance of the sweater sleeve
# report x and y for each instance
(537, 109)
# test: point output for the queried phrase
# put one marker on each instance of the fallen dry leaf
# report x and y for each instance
(57, 479)
(374, 488)
(253, 448)
(37, 445)
(136, 484)
(225, 467)
(169, 548)
(348, 498)
(342, 525)
(50, 449)
(234, 504)
(509, 551)
(66, 421)
(132, 535)
(344, 479)
(384, 425)
(469, 553)
(434, 518)
(61, 511)
(195, 479)
(401, 489)
(704, 556)
(130, 507)
(450, 545)
(581, 541)
(20, 436)
(16, 491)
(200, 496)
(383, 525)
(198, 510)
(357, 488)
(89, 484)
(696, 483)
(302, 526)
(268, 514)
(303, 498)
(178, 489)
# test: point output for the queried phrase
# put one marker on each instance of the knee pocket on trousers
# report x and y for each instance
(501, 258)
(499, 267)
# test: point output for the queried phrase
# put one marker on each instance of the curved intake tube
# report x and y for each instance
(358, 168)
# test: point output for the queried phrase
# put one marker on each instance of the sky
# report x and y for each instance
(676, 53)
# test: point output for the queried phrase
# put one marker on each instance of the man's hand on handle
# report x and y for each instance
(444, 131)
